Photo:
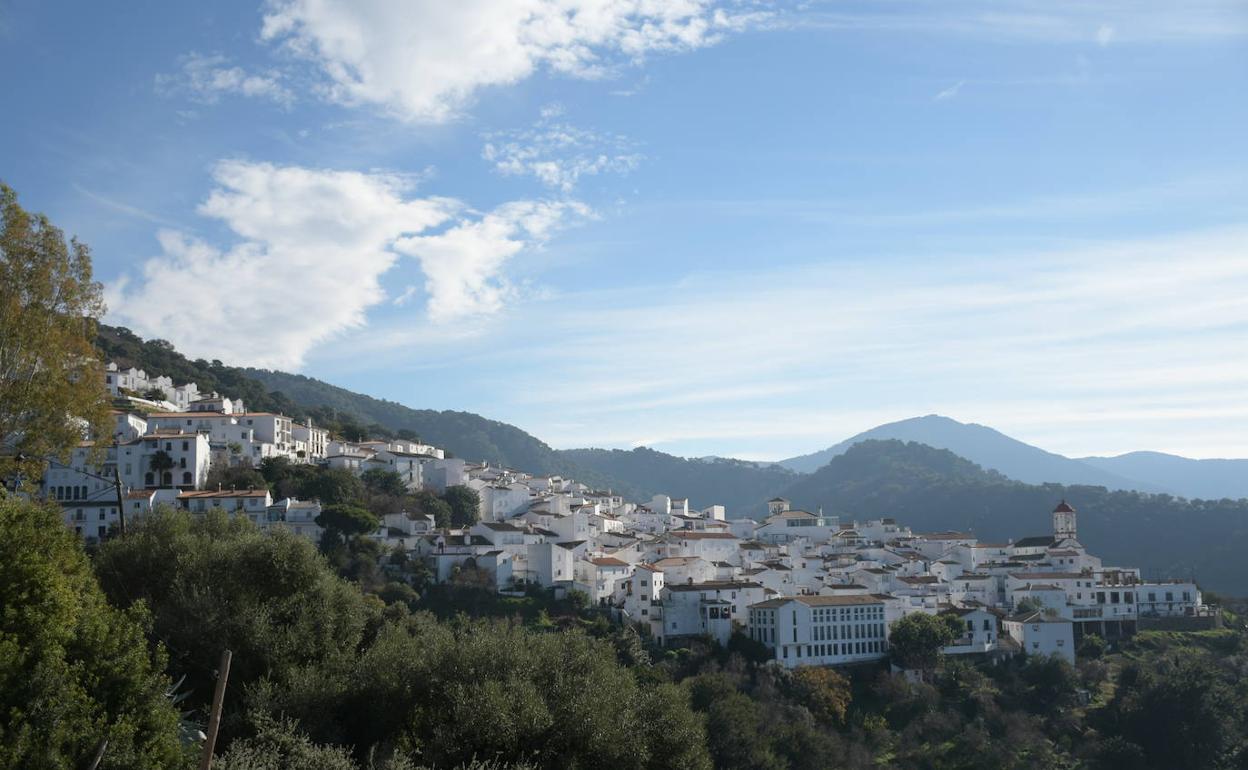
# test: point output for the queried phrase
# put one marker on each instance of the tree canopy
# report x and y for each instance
(347, 520)
(465, 505)
(917, 639)
(74, 671)
(51, 378)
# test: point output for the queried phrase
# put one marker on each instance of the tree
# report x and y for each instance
(426, 503)
(1182, 710)
(465, 505)
(155, 394)
(347, 520)
(234, 477)
(51, 376)
(333, 486)
(1091, 646)
(73, 670)
(380, 481)
(823, 691)
(917, 639)
(161, 463)
(215, 581)
(1028, 605)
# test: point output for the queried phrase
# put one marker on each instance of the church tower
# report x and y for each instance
(1064, 522)
(777, 505)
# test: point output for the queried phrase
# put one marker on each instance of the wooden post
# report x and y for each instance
(99, 754)
(214, 720)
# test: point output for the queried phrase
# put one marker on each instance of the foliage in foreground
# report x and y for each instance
(74, 670)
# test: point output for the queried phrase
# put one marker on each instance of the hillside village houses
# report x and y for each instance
(812, 589)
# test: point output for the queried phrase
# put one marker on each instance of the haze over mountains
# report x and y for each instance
(1140, 471)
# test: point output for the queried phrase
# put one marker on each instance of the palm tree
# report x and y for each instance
(162, 463)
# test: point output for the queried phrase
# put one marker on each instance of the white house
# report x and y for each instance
(979, 631)
(1038, 633)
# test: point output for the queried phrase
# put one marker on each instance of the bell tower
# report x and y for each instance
(1064, 522)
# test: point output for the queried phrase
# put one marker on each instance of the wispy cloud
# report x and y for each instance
(206, 79)
(949, 92)
(1053, 21)
(124, 208)
(557, 153)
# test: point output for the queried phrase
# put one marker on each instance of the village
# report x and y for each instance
(812, 588)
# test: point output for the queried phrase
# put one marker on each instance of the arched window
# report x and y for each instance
(149, 479)
(167, 479)
(186, 478)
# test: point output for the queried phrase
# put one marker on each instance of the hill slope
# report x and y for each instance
(933, 489)
(1205, 479)
(638, 475)
(740, 486)
(982, 445)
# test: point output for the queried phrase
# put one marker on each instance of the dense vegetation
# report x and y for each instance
(334, 669)
(934, 489)
(75, 670)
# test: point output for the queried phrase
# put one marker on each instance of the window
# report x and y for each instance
(186, 478)
(186, 446)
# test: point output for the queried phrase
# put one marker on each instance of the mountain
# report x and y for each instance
(465, 434)
(934, 490)
(1205, 479)
(985, 446)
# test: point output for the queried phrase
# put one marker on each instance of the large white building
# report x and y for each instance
(821, 630)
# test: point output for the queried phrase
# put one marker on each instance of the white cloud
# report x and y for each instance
(310, 247)
(558, 153)
(950, 92)
(463, 265)
(207, 78)
(1104, 35)
(425, 60)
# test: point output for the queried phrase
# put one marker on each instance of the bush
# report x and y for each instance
(73, 670)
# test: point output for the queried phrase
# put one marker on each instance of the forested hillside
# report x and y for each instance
(934, 489)
(742, 487)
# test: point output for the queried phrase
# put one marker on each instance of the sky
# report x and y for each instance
(740, 228)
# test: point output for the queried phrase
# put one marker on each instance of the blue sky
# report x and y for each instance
(746, 229)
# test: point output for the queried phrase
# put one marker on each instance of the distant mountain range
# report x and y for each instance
(1141, 471)
(1206, 479)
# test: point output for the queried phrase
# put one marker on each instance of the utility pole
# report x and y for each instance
(121, 505)
(214, 721)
